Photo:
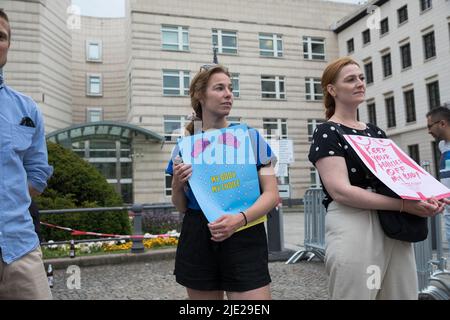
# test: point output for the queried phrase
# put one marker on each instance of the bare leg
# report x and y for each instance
(204, 295)
(262, 293)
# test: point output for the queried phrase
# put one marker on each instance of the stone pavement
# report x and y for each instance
(154, 280)
(149, 275)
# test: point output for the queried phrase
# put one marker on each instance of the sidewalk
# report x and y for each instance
(293, 236)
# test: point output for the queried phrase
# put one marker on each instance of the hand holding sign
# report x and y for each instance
(396, 169)
(224, 177)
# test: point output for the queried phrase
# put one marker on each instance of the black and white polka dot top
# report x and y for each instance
(327, 142)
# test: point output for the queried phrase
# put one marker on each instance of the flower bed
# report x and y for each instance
(94, 248)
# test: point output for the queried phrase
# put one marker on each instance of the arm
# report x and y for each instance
(334, 175)
(33, 192)
(35, 160)
(181, 174)
(227, 224)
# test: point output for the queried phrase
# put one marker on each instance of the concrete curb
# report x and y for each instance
(111, 259)
(148, 256)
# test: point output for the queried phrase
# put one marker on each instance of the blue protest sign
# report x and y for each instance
(224, 177)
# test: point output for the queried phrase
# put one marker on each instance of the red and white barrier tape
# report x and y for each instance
(86, 233)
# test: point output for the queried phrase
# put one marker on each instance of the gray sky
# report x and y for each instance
(116, 8)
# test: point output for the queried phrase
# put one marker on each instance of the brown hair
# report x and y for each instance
(329, 76)
(5, 17)
(440, 113)
(198, 88)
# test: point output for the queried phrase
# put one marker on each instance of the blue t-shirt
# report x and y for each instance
(444, 167)
(263, 155)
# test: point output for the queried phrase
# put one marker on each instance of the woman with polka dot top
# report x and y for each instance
(361, 261)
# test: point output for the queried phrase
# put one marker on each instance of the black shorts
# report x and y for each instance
(237, 264)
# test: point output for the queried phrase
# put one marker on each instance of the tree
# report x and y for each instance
(77, 184)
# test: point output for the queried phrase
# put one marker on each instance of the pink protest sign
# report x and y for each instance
(396, 169)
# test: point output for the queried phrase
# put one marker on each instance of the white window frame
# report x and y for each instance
(278, 95)
(89, 77)
(352, 49)
(429, 5)
(278, 135)
(90, 43)
(90, 111)
(312, 95)
(183, 123)
(181, 75)
(167, 190)
(180, 44)
(234, 120)
(219, 33)
(317, 183)
(362, 37)
(424, 44)
(276, 52)
(312, 124)
(236, 89)
(309, 54)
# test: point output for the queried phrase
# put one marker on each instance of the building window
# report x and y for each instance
(368, 68)
(235, 84)
(413, 151)
(174, 127)
(425, 5)
(410, 106)
(429, 45)
(226, 41)
(402, 14)
(312, 125)
(168, 187)
(275, 128)
(313, 89)
(384, 26)
(272, 87)
(94, 51)
(94, 114)
(350, 46)
(175, 38)
(366, 36)
(313, 48)
(94, 85)
(405, 53)
(434, 99)
(234, 120)
(176, 82)
(130, 90)
(372, 113)
(270, 45)
(387, 65)
(315, 178)
(390, 112)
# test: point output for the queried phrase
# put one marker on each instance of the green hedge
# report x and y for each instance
(77, 184)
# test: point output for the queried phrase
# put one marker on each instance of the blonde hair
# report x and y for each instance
(198, 88)
(329, 76)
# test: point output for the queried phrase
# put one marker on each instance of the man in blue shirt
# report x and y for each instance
(24, 172)
(438, 123)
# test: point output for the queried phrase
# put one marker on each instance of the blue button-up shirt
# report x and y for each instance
(23, 162)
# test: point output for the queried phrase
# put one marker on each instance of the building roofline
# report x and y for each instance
(138, 130)
(351, 19)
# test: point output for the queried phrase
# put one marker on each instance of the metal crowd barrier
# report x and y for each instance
(433, 277)
(314, 227)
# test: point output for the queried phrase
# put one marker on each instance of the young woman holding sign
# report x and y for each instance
(211, 257)
(361, 261)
